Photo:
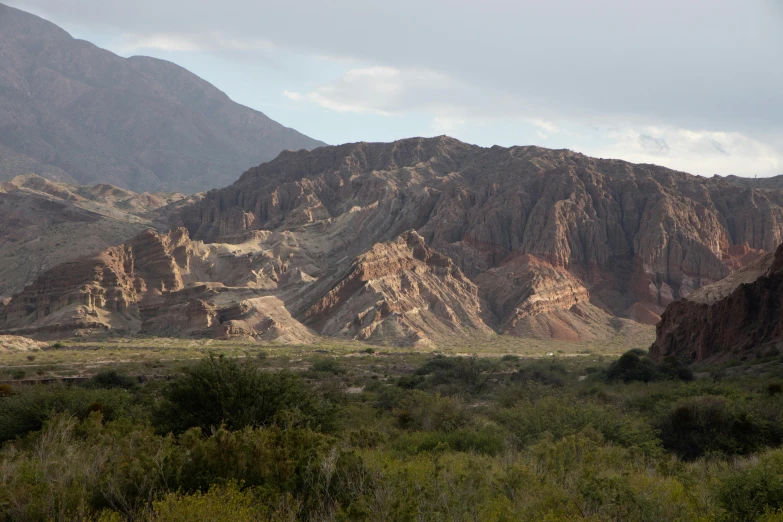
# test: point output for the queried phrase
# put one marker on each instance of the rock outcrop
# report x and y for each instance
(404, 291)
(154, 284)
(740, 314)
(43, 223)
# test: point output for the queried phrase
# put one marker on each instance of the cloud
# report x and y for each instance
(385, 91)
(698, 152)
(188, 42)
(130, 43)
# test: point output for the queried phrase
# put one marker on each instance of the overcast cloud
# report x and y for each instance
(692, 84)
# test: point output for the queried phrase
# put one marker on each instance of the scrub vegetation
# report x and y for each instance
(372, 435)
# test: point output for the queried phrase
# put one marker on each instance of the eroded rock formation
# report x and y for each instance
(422, 240)
(728, 319)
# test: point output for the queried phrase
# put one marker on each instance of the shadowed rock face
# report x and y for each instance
(727, 319)
(76, 113)
(425, 240)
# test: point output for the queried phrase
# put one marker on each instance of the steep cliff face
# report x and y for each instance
(741, 313)
(634, 237)
(401, 291)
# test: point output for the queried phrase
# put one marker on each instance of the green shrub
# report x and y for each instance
(548, 373)
(112, 379)
(226, 503)
(327, 366)
(222, 392)
(486, 441)
(754, 490)
(6, 390)
(31, 406)
(273, 459)
(454, 375)
(635, 365)
(418, 410)
(701, 425)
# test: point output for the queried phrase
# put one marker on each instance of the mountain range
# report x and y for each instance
(78, 114)
(418, 241)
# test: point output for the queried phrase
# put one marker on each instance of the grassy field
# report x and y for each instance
(160, 356)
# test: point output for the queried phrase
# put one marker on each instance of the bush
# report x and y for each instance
(708, 424)
(754, 490)
(486, 441)
(220, 391)
(327, 366)
(634, 365)
(6, 390)
(220, 504)
(452, 375)
(548, 373)
(32, 406)
(112, 379)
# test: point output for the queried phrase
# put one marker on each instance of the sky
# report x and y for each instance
(695, 85)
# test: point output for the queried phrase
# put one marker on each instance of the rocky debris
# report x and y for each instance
(77, 113)
(727, 319)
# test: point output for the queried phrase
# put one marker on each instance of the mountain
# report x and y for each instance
(728, 319)
(421, 240)
(43, 223)
(75, 113)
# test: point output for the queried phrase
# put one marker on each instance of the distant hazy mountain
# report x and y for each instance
(76, 113)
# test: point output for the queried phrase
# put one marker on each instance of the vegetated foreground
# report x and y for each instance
(356, 433)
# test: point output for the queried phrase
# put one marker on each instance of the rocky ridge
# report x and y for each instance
(422, 240)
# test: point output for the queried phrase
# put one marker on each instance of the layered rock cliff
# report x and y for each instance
(401, 290)
(728, 319)
(627, 239)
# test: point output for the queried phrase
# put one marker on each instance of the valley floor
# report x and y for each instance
(175, 430)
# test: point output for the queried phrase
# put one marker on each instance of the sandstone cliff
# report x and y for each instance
(401, 290)
(726, 319)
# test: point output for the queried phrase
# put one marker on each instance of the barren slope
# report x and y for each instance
(44, 223)
(73, 112)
